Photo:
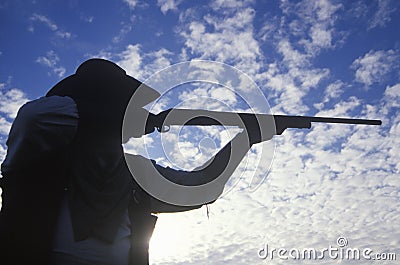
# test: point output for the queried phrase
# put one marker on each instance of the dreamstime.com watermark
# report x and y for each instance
(340, 251)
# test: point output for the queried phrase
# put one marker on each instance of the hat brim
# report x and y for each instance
(141, 93)
(144, 94)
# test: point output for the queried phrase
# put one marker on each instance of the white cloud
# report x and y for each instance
(312, 23)
(51, 60)
(374, 66)
(185, 148)
(131, 3)
(157, 60)
(313, 11)
(321, 37)
(50, 24)
(208, 97)
(291, 79)
(342, 108)
(231, 39)
(11, 100)
(63, 34)
(382, 16)
(137, 146)
(292, 57)
(5, 127)
(122, 33)
(222, 94)
(392, 95)
(305, 29)
(230, 4)
(131, 60)
(166, 5)
(142, 65)
(88, 19)
(332, 91)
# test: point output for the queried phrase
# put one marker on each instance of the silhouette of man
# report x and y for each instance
(68, 195)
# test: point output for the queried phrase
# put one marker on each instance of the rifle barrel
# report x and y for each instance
(336, 120)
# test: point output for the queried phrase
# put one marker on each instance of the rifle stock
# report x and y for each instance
(187, 117)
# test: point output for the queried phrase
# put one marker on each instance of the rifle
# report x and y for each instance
(277, 123)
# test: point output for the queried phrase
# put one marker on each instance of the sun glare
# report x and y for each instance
(168, 240)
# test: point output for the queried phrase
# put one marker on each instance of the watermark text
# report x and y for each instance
(340, 251)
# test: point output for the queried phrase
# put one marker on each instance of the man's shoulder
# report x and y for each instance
(47, 103)
(34, 109)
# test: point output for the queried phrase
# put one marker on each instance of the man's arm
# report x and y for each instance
(41, 126)
(216, 172)
(222, 165)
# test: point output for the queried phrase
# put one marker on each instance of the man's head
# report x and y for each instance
(102, 91)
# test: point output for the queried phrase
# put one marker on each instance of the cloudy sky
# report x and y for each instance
(311, 57)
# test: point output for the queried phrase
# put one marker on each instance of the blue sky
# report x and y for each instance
(311, 57)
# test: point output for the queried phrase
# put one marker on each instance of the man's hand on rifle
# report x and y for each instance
(256, 131)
